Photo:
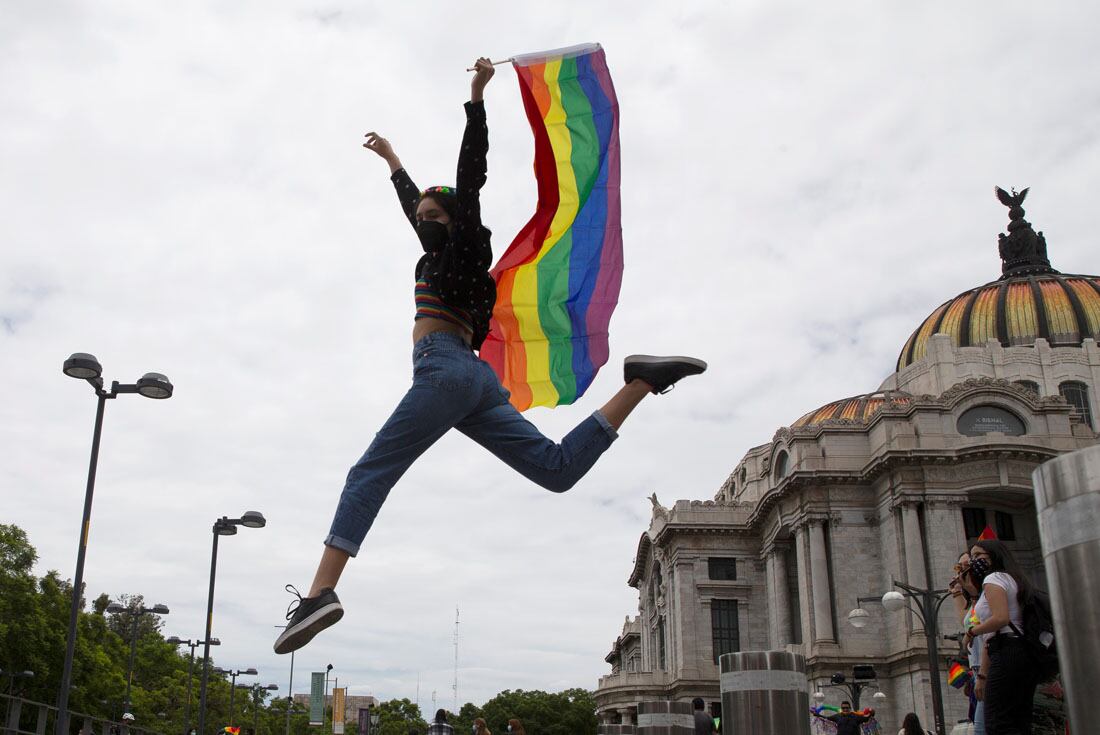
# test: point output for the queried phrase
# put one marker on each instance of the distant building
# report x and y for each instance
(889, 485)
(352, 704)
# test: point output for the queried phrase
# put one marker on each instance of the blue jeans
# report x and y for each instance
(452, 387)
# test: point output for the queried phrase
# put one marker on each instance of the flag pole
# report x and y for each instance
(494, 63)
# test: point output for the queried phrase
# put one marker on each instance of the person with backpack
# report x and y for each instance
(1008, 675)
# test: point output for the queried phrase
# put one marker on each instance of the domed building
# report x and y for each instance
(865, 492)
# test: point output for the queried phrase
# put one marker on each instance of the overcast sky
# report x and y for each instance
(183, 190)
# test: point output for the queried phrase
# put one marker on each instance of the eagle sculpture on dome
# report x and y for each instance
(1013, 199)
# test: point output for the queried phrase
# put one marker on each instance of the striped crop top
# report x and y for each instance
(428, 304)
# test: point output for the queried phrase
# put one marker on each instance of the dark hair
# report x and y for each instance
(441, 715)
(1002, 560)
(447, 201)
(698, 703)
(845, 702)
(911, 725)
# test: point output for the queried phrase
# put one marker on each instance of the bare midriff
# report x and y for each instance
(427, 325)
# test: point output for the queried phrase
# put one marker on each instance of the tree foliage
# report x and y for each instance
(34, 619)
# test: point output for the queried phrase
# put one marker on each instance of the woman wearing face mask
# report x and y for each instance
(1006, 681)
(452, 387)
(516, 727)
(480, 728)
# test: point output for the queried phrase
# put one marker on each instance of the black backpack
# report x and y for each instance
(1038, 635)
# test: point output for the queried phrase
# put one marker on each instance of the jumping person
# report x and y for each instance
(452, 387)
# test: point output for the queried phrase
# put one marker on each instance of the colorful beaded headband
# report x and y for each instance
(448, 190)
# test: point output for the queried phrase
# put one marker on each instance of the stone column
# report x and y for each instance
(916, 573)
(802, 562)
(779, 598)
(819, 579)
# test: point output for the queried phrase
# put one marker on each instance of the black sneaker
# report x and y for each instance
(307, 617)
(661, 372)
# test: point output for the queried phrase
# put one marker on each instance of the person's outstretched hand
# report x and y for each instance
(483, 72)
(382, 147)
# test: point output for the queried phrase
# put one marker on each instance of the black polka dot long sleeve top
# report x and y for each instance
(459, 272)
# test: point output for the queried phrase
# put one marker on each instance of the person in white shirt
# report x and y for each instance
(1006, 681)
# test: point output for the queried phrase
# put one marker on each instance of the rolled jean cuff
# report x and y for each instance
(605, 425)
(342, 544)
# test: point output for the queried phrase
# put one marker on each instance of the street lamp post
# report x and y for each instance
(324, 699)
(83, 366)
(233, 685)
(256, 690)
(135, 616)
(222, 527)
(174, 640)
(927, 608)
(290, 687)
(863, 677)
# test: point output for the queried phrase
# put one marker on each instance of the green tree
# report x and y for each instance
(571, 712)
(398, 716)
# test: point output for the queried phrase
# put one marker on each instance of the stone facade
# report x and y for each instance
(833, 510)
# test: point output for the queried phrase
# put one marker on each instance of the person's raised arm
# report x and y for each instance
(407, 193)
(472, 157)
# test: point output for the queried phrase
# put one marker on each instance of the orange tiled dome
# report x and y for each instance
(857, 408)
(1062, 309)
(1029, 301)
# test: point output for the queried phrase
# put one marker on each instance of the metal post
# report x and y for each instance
(232, 693)
(763, 691)
(1067, 500)
(135, 615)
(206, 640)
(290, 694)
(62, 723)
(928, 608)
(190, 671)
(256, 710)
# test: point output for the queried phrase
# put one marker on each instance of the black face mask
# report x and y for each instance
(433, 235)
(979, 570)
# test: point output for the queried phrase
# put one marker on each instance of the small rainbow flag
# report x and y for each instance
(958, 675)
(558, 282)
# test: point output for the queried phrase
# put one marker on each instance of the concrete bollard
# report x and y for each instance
(1067, 499)
(766, 692)
(665, 718)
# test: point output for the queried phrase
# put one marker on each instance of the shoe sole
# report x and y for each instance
(653, 360)
(303, 633)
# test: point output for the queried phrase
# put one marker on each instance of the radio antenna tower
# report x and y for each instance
(455, 686)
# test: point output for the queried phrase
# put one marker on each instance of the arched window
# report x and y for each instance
(1031, 385)
(781, 469)
(742, 476)
(1076, 394)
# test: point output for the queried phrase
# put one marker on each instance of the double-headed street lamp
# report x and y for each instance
(926, 606)
(83, 366)
(863, 677)
(233, 684)
(175, 641)
(257, 690)
(224, 526)
(135, 616)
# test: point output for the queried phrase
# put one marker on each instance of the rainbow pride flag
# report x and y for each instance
(558, 282)
(958, 675)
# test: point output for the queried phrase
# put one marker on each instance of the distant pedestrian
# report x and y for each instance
(516, 727)
(911, 726)
(480, 728)
(704, 723)
(439, 725)
(848, 722)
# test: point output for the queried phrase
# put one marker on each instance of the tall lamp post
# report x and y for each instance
(222, 527)
(925, 604)
(135, 616)
(233, 685)
(289, 688)
(257, 690)
(86, 367)
(175, 641)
